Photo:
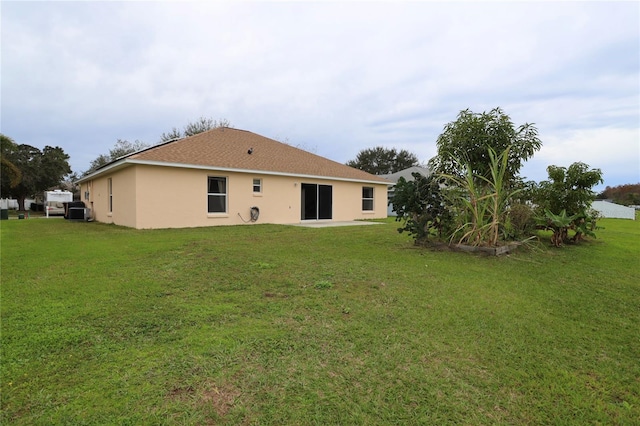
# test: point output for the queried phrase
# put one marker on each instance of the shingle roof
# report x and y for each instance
(228, 148)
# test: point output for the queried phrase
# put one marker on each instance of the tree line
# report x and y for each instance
(627, 195)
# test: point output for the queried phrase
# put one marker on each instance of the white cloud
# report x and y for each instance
(339, 76)
(604, 148)
(615, 151)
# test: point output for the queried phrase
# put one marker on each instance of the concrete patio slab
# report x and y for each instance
(330, 224)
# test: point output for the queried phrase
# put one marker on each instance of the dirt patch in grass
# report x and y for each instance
(269, 294)
(221, 397)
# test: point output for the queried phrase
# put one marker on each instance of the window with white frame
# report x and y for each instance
(367, 198)
(217, 194)
(257, 186)
(110, 191)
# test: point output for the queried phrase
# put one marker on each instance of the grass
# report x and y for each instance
(270, 324)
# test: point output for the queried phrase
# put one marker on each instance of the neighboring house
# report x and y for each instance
(407, 174)
(613, 210)
(228, 176)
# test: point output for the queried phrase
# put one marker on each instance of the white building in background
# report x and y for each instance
(12, 204)
(8, 204)
(407, 174)
(613, 210)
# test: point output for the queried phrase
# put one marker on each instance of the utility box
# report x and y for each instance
(4, 209)
(79, 213)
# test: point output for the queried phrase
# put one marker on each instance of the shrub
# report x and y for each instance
(422, 208)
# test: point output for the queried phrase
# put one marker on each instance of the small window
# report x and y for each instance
(367, 198)
(217, 195)
(257, 185)
(110, 191)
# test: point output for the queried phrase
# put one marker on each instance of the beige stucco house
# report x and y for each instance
(229, 176)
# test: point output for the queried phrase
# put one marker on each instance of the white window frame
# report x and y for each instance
(257, 185)
(365, 199)
(110, 192)
(218, 194)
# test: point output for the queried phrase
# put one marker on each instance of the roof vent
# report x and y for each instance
(250, 151)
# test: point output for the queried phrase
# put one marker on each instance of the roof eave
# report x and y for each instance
(264, 172)
(129, 161)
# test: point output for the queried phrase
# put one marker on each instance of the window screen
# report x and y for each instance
(217, 195)
(367, 198)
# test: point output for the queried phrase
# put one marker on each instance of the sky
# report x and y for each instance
(333, 78)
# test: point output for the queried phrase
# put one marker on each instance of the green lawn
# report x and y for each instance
(270, 324)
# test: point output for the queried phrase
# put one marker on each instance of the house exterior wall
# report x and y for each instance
(125, 210)
(177, 198)
(95, 194)
(149, 197)
(347, 201)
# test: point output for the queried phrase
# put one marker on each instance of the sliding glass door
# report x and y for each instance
(316, 202)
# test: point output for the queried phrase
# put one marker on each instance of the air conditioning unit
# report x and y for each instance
(79, 213)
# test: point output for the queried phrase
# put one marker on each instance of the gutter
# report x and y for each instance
(125, 162)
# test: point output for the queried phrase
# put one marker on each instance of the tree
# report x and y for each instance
(39, 170)
(201, 125)
(569, 189)
(382, 161)
(124, 147)
(9, 173)
(173, 134)
(54, 166)
(568, 194)
(100, 161)
(121, 148)
(465, 142)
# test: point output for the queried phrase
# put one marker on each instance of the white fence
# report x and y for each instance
(9, 204)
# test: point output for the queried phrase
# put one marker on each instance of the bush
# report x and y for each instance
(421, 206)
(520, 222)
